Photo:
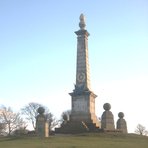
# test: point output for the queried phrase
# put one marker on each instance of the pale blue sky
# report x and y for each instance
(38, 53)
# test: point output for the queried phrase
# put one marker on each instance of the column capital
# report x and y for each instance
(82, 32)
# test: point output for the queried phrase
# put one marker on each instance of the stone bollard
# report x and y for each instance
(121, 123)
(107, 119)
(42, 127)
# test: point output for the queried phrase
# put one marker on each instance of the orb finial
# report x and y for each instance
(120, 114)
(82, 22)
(107, 106)
(41, 110)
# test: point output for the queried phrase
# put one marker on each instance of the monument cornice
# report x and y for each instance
(82, 32)
(83, 93)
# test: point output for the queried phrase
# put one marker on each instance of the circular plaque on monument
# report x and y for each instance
(81, 77)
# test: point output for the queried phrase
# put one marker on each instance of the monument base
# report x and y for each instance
(73, 127)
(82, 118)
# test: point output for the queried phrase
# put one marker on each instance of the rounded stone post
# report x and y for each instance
(42, 127)
(107, 119)
(121, 123)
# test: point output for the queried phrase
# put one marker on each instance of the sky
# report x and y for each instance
(38, 54)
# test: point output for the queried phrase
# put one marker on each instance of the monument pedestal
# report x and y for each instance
(83, 107)
(82, 118)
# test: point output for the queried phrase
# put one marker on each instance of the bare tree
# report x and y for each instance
(30, 111)
(10, 120)
(2, 128)
(52, 121)
(66, 115)
(141, 130)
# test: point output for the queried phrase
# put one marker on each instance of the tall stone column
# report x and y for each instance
(83, 99)
(83, 117)
(82, 71)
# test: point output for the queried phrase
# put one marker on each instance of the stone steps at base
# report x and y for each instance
(76, 127)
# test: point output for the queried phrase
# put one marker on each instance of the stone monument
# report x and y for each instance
(107, 119)
(121, 123)
(83, 117)
(42, 127)
(83, 99)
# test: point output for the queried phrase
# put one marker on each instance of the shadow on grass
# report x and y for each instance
(9, 138)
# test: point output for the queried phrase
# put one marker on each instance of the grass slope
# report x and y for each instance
(77, 141)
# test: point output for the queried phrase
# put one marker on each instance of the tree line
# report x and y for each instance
(11, 122)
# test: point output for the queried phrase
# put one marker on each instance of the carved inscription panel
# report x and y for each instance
(80, 105)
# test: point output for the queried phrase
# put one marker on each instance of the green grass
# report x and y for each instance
(77, 141)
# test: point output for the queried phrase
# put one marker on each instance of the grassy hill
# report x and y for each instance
(101, 140)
